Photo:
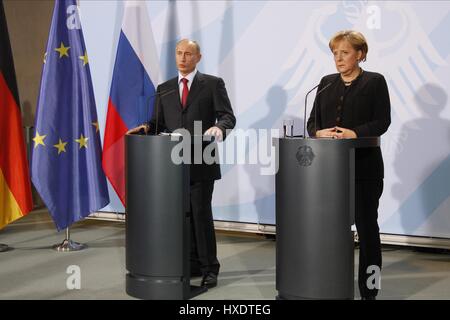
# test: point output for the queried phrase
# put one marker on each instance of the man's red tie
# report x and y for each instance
(185, 92)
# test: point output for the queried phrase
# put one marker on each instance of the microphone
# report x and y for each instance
(306, 103)
(159, 95)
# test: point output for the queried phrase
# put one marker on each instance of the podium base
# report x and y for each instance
(291, 297)
(197, 290)
(161, 288)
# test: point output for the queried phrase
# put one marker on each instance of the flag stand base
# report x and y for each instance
(4, 247)
(68, 245)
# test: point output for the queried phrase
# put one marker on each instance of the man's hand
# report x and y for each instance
(216, 132)
(144, 127)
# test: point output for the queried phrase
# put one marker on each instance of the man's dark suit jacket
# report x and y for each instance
(207, 102)
(364, 107)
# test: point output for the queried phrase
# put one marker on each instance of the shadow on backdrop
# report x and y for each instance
(423, 160)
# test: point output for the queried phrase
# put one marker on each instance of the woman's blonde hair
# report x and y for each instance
(355, 38)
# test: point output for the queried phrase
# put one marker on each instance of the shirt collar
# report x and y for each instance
(190, 76)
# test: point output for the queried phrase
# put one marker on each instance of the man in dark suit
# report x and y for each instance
(183, 100)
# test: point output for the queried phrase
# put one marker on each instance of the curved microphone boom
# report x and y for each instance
(306, 103)
(159, 95)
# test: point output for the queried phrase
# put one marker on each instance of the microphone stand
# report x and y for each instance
(315, 110)
(306, 103)
(157, 113)
(158, 96)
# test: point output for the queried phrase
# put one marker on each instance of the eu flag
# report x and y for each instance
(66, 163)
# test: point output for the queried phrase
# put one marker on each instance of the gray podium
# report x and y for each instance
(314, 212)
(157, 226)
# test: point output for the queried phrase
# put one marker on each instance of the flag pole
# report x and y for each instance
(68, 245)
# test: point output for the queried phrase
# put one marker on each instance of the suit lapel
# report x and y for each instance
(197, 86)
(175, 99)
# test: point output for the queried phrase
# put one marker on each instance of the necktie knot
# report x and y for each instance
(185, 81)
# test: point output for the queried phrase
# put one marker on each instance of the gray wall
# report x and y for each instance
(28, 24)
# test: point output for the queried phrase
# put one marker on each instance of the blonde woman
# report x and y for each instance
(356, 104)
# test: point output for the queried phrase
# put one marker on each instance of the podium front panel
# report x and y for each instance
(314, 213)
(157, 202)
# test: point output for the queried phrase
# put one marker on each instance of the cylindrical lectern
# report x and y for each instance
(315, 187)
(157, 226)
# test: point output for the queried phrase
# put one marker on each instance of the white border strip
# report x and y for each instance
(394, 239)
(107, 216)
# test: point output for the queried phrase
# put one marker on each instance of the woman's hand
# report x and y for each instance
(343, 133)
(336, 133)
(326, 133)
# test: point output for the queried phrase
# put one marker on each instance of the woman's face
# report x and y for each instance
(346, 57)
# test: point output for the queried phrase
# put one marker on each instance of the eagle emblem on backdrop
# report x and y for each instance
(399, 48)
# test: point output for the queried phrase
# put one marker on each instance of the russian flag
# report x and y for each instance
(135, 77)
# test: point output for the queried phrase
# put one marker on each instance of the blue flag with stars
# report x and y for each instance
(66, 162)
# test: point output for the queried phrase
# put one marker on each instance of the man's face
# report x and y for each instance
(186, 57)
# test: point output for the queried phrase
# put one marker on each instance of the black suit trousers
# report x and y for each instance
(203, 237)
(367, 195)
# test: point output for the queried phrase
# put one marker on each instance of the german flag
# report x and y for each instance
(15, 186)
